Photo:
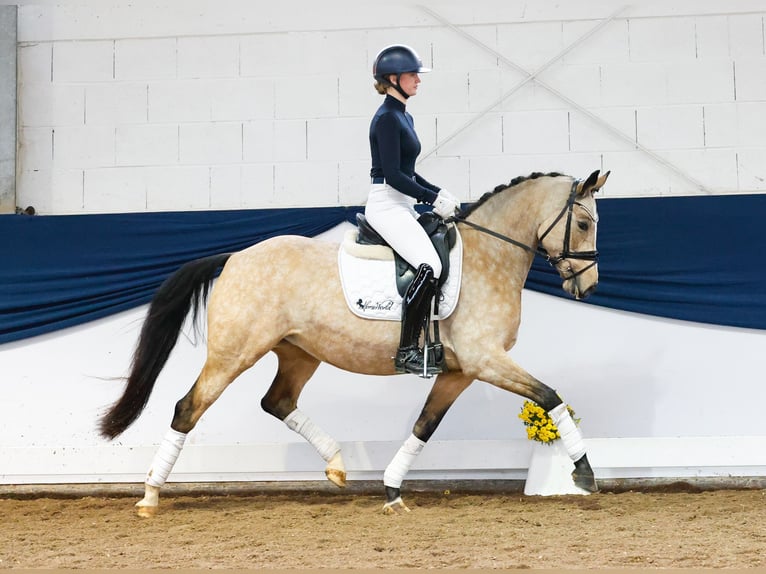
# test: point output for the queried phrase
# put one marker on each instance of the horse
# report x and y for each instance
(257, 305)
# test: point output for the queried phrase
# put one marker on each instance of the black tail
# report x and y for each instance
(186, 289)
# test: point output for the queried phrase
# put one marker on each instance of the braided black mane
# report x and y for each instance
(502, 187)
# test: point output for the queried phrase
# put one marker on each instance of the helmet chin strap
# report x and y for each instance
(398, 87)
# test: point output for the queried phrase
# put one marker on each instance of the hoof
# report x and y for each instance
(395, 507)
(336, 470)
(336, 476)
(146, 511)
(586, 483)
(583, 475)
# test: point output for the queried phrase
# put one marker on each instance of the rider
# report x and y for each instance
(395, 189)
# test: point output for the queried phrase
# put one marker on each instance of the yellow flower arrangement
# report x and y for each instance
(539, 424)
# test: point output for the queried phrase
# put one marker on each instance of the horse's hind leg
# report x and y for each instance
(445, 391)
(281, 401)
(211, 382)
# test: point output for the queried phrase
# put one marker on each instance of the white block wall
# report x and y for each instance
(208, 105)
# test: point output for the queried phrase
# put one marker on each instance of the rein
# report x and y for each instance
(541, 251)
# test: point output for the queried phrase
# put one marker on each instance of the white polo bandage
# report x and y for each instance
(165, 458)
(326, 446)
(571, 437)
(400, 465)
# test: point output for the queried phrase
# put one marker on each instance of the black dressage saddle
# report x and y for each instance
(442, 236)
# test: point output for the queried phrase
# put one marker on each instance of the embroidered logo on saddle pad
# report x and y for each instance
(367, 274)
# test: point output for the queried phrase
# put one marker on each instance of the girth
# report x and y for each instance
(442, 237)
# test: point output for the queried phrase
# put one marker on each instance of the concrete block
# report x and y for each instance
(482, 136)
(51, 191)
(451, 173)
(588, 134)
(80, 147)
(35, 151)
(258, 141)
(116, 104)
(609, 44)
(307, 184)
(662, 39)
(289, 141)
(520, 93)
(452, 53)
(751, 124)
(258, 186)
(356, 95)
(83, 61)
(670, 127)
(634, 174)
(226, 187)
(269, 141)
(50, 105)
(425, 124)
(578, 165)
(148, 144)
(34, 62)
(208, 57)
(242, 99)
(272, 55)
(210, 143)
(751, 169)
(487, 172)
(708, 81)
(484, 89)
(721, 125)
(633, 84)
(715, 169)
(334, 52)
(306, 97)
(746, 36)
(179, 101)
(750, 84)
(531, 44)
(579, 83)
(536, 132)
(241, 186)
(171, 188)
(114, 190)
(353, 182)
(338, 139)
(712, 42)
(145, 58)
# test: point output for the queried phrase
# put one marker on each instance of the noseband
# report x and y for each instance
(566, 253)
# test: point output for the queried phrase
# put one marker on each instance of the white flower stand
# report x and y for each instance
(550, 471)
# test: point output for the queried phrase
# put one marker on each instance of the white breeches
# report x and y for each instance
(392, 214)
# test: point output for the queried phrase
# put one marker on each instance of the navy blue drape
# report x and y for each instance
(692, 258)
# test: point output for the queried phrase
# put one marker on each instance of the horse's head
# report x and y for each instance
(568, 237)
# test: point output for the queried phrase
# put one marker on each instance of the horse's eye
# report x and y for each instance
(583, 225)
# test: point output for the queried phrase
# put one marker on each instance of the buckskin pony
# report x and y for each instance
(258, 305)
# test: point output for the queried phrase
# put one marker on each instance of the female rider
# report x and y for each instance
(396, 187)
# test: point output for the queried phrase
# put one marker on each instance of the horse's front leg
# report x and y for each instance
(501, 371)
(446, 389)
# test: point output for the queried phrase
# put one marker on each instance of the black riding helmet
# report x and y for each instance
(397, 59)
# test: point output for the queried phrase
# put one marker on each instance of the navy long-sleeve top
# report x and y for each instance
(395, 146)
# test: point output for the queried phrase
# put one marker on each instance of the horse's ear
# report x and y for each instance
(593, 183)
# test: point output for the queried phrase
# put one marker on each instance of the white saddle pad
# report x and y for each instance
(367, 275)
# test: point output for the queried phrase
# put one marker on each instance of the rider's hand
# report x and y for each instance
(445, 205)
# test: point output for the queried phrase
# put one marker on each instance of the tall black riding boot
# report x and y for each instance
(416, 306)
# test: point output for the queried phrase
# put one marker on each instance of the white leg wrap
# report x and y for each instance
(400, 465)
(326, 446)
(165, 458)
(571, 436)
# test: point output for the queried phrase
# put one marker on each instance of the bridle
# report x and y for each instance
(565, 253)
